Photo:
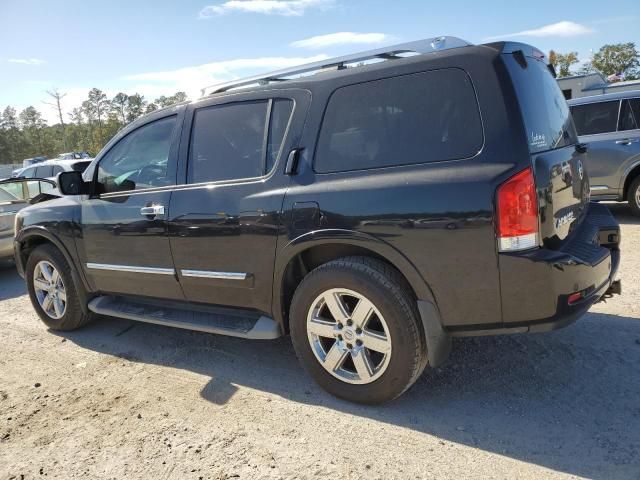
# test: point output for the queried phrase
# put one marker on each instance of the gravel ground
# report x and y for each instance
(125, 400)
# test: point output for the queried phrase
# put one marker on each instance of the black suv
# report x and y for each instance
(371, 210)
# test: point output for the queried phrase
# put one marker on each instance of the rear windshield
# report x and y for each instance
(544, 109)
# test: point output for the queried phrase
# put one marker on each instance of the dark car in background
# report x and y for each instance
(372, 209)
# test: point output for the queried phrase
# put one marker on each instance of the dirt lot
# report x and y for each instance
(125, 400)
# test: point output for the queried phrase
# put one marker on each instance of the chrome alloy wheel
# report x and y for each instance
(638, 196)
(349, 336)
(49, 290)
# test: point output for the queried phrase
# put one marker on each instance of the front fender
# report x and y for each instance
(38, 231)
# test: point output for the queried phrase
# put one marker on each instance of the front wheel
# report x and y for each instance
(633, 196)
(356, 330)
(52, 290)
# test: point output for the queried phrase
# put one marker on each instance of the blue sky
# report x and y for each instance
(157, 47)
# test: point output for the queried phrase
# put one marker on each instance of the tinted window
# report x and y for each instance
(139, 160)
(44, 171)
(424, 117)
(628, 118)
(80, 166)
(57, 169)
(280, 116)
(227, 142)
(592, 118)
(543, 107)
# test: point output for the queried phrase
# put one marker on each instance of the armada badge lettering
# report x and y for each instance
(563, 220)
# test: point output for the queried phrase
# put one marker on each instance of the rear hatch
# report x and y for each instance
(558, 162)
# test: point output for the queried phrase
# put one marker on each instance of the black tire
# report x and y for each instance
(388, 291)
(73, 317)
(633, 196)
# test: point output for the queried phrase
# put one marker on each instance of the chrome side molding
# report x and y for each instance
(130, 269)
(218, 275)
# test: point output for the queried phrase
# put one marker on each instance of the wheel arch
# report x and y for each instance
(30, 238)
(630, 176)
(313, 249)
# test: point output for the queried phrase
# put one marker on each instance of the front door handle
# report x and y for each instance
(152, 211)
(626, 141)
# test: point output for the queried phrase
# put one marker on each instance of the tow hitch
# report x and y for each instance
(614, 289)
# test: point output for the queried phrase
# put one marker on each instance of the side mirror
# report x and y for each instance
(71, 183)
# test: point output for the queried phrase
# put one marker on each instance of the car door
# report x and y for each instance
(225, 218)
(606, 127)
(124, 243)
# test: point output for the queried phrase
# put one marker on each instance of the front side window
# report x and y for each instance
(594, 118)
(57, 169)
(139, 160)
(424, 117)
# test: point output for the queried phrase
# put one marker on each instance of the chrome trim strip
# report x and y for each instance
(219, 275)
(130, 269)
(595, 188)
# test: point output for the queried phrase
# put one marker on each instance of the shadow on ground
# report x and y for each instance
(566, 400)
(622, 212)
(11, 285)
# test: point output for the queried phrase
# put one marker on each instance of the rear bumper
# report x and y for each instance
(536, 285)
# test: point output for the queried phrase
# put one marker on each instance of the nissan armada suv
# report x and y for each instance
(371, 206)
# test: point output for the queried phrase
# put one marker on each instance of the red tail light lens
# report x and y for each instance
(517, 213)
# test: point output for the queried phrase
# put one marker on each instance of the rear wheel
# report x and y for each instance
(52, 290)
(355, 329)
(633, 196)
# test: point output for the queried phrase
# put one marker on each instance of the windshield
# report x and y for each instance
(545, 111)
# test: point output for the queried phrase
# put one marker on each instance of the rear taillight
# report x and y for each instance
(517, 213)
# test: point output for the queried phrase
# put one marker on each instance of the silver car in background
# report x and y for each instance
(16, 194)
(610, 126)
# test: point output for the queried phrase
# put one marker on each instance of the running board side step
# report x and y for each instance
(201, 319)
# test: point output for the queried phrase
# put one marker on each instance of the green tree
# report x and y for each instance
(33, 124)
(120, 107)
(99, 106)
(137, 106)
(151, 107)
(563, 62)
(618, 58)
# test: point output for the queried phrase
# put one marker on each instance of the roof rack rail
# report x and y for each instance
(428, 45)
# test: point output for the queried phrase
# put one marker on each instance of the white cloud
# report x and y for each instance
(287, 8)
(193, 79)
(341, 38)
(26, 61)
(560, 29)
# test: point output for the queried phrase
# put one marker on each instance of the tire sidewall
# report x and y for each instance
(406, 348)
(54, 257)
(631, 198)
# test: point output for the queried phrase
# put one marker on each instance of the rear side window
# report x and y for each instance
(410, 119)
(593, 118)
(231, 142)
(227, 142)
(44, 171)
(629, 111)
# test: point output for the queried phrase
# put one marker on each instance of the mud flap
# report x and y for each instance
(438, 340)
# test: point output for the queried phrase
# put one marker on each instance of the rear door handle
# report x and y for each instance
(152, 211)
(626, 141)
